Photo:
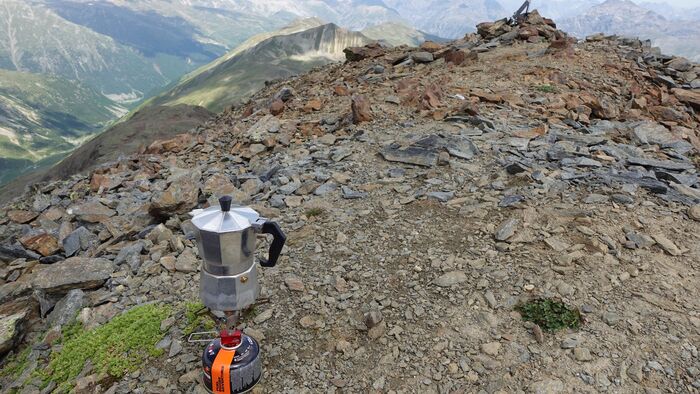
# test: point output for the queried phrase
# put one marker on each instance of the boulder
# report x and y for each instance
(490, 30)
(90, 211)
(276, 107)
(422, 57)
(73, 273)
(11, 330)
(43, 243)
(361, 111)
(67, 308)
(690, 97)
(355, 54)
(180, 197)
(457, 56)
(80, 239)
(21, 217)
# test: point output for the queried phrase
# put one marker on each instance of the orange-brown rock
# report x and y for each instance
(104, 182)
(277, 107)
(355, 54)
(431, 46)
(561, 47)
(690, 97)
(361, 111)
(457, 56)
(341, 90)
(313, 105)
(431, 97)
(486, 96)
(21, 217)
(175, 144)
(43, 243)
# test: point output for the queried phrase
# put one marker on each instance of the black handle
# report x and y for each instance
(277, 243)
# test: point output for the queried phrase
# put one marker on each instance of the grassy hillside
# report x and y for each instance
(42, 116)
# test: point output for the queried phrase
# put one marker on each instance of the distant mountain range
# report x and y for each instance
(626, 18)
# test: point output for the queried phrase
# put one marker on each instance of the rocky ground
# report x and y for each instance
(425, 192)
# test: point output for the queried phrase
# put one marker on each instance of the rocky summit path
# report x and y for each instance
(426, 192)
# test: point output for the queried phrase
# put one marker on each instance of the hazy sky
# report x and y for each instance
(679, 3)
(675, 3)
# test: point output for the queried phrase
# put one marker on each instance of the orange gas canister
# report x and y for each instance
(233, 367)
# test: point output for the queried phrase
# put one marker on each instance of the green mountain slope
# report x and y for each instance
(241, 73)
(42, 117)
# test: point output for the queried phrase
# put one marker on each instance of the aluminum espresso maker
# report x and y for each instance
(228, 285)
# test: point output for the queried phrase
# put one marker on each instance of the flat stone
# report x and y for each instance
(557, 244)
(594, 198)
(640, 240)
(582, 354)
(666, 164)
(690, 97)
(351, 194)
(441, 196)
(666, 80)
(652, 133)
(680, 64)
(547, 386)
(73, 273)
(506, 229)
(570, 342)
(461, 147)
(450, 278)
(410, 155)
(667, 245)
(491, 348)
(326, 188)
(91, 212)
(294, 283)
(422, 57)
(263, 316)
(21, 217)
(43, 243)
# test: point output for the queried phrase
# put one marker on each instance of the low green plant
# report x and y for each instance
(118, 347)
(313, 212)
(196, 320)
(16, 364)
(549, 314)
(546, 88)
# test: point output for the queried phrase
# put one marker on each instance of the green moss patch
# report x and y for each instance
(197, 319)
(15, 364)
(115, 348)
(313, 212)
(549, 314)
(546, 88)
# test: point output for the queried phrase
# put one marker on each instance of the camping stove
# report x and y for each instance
(228, 285)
